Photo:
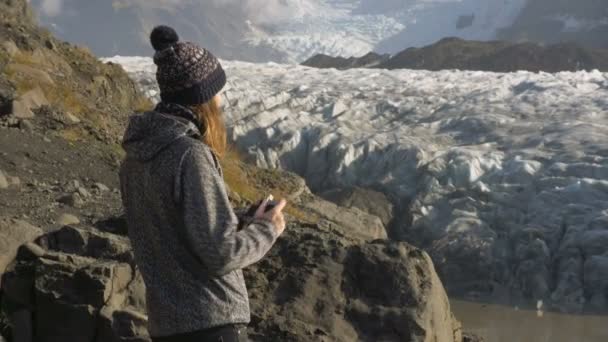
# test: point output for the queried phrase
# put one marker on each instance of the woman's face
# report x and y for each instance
(218, 99)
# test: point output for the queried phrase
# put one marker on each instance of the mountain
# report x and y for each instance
(324, 61)
(290, 31)
(430, 21)
(498, 56)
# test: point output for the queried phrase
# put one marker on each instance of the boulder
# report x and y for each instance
(73, 200)
(67, 219)
(101, 187)
(317, 286)
(314, 285)
(83, 287)
(14, 233)
(30, 100)
(369, 201)
(354, 222)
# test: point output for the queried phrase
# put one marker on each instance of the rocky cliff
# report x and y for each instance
(67, 267)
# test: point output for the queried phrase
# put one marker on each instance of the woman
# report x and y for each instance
(181, 224)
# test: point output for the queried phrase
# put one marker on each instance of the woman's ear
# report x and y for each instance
(218, 100)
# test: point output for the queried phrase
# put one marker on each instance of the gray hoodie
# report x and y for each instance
(183, 228)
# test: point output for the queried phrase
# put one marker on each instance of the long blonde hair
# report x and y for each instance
(210, 116)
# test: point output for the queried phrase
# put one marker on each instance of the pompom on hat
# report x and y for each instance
(187, 74)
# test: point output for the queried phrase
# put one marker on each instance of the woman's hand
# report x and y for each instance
(275, 215)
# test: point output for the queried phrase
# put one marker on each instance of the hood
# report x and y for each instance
(149, 133)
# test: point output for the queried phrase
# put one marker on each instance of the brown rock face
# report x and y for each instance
(372, 202)
(357, 223)
(313, 286)
(318, 286)
(82, 287)
(14, 233)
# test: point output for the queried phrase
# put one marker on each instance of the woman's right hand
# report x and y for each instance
(275, 215)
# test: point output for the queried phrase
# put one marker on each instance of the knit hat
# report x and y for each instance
(187, 74)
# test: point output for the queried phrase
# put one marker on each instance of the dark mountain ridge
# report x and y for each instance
(496, 56)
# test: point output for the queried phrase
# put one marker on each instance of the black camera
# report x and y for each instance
(269, 206)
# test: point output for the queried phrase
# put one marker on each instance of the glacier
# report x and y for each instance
(502, 178)
(355, 27)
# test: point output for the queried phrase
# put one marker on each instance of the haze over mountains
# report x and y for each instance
(294, 30)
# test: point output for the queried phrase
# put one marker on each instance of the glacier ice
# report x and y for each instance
(503, 178)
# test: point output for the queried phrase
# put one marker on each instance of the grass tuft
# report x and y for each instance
(252, 183)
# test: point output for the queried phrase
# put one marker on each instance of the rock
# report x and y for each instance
(313, 286)
(3, 181)
(414, 282)
(101, 187)
(83, 192)
(26, 125)
(72, 186)
(67, 219)
(14, 181)
(71, 119)
(83, 287)
(23, 106)
(14, 233)
(50, 44)
(74, 200)
(353, 221)
(12, 122)
(88, 243)
(369, 201)
(114, 225)
(10, 48)
(30, 251)
(334, 292)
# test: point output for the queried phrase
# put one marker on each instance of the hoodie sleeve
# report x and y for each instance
(209, 220)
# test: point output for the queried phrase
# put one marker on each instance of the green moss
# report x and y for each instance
(251, 183)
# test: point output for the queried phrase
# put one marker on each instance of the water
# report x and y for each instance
(506, 324)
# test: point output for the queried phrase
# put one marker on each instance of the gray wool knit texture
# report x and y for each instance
(183, 228)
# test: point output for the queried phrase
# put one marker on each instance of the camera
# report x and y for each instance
(269, 206)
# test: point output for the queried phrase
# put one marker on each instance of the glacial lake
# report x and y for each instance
(497, 323)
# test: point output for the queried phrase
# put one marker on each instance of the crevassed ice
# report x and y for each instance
(503, 177)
